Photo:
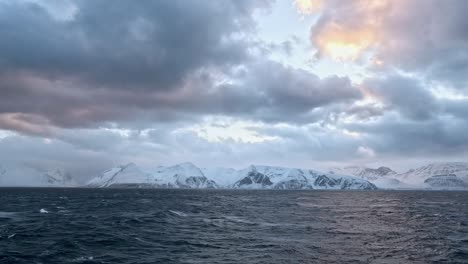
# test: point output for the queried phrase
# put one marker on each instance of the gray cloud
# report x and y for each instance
(413, 122)
(99, 149)
(428, 35)
(150, 45)
(406, 95)
(103, 83)
(391, 136)
(50, 154)
(288, 95)
(161, 61)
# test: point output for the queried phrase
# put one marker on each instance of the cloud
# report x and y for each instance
(49, 154)
(411, 121)
(392, 136)
(365, 151)
(422, 36)
(307, 7)
(27, 123)
(403, 94)
(288, 95)
(123, 44)
(272, 92)
(131, 64)
(158, 82)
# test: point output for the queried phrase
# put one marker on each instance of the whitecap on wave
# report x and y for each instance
(7, 215)
(178, 213)
(83, 259)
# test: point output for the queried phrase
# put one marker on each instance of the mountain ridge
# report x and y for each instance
(24, 176)
(187, 175)
(436, 175)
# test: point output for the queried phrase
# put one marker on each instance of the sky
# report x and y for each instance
(87, 85)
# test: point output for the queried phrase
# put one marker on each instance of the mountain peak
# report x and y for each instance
(130, 164)
(252, 168)
(385, 170)
(187, 165)
(365, 172)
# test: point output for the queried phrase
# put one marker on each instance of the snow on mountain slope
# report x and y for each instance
(263, 177)
(369, 174)
(222, 176)
(187, 175)
(425, 176)
(392, 183)
(23, 176)
(269, 177)
(448, 175)
(253, 178)
(448, 181)
(184, 175)
(382, 177)
(59, 178)
(127, 175)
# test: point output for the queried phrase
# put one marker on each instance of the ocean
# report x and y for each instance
(231, 226)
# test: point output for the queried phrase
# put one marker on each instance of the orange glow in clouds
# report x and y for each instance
(354, 29)
(341, 44)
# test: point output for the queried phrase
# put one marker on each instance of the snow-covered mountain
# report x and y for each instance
(126, 175)
(448, 181)
(187, 175)
(447, 175)
(23, 176)
(382, 177)
(369, 174)
(184, 175)
(267, 177)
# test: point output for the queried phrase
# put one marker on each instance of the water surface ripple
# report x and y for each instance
(231, 226)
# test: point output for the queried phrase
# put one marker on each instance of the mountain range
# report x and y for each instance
(448, 175)
(19, 176)
(187, 175)
(441, 175)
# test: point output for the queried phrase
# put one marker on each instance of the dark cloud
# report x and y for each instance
(105, 83)
(162, 61)
(405, 95)
(287, 95)
(291, 94)
(151, 45)
(271, 92)
(412, 122)
(428, 36)
(439, 137)
(457, 108)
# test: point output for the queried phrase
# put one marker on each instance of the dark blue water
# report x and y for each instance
(208, 226)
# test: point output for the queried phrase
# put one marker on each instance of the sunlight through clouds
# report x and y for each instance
(307, 7)
(237, 80)
(342, 40)
(226, 129)
(340, 44)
